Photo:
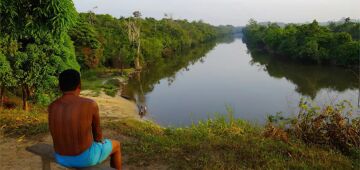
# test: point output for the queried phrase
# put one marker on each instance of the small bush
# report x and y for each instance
(112, 86)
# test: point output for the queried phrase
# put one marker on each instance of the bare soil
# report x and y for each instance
(13, 155)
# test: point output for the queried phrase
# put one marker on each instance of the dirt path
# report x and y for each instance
(13, 155)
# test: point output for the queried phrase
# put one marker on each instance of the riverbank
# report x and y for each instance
(218, 143)
(115, 107)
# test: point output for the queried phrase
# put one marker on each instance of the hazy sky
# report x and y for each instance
(235, 12)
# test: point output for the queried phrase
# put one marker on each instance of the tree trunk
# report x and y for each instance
(24, 97)
(137, 59)
(28, 92)
(2, 91)
(121, 64)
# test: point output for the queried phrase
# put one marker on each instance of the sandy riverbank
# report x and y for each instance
(113, 107)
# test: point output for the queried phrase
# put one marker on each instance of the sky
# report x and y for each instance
(232, 12)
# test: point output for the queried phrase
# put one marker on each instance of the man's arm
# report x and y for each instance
(96, 130)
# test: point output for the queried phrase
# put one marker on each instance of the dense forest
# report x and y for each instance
(102, 40)
(39, 40)
(336, 43)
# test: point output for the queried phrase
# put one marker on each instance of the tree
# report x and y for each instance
(347, 20)
(159, 39)
(6, 77)
(134, 36)
(307, 42)
(39, 30)
(88, 48)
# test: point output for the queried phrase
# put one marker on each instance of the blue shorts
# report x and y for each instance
(96, 154)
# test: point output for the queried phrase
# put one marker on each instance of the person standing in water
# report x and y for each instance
(74, 124)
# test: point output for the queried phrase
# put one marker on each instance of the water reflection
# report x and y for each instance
(144, 82)
(309, 79)
(185, 88)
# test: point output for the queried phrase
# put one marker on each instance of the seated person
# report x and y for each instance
(74, 125)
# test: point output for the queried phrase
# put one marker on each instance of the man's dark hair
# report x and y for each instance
(69, 80)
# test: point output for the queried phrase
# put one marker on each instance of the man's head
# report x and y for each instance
(69, 80)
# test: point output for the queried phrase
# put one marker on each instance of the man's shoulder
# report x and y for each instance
(52, 104)
(88, 101)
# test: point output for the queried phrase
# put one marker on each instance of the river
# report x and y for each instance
(218, 76)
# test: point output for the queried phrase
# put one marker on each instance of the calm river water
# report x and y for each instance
(210, 78)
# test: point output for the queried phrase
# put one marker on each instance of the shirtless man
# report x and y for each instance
(74, 125)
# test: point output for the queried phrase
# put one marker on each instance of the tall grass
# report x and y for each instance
(334, 126)
(223, 142)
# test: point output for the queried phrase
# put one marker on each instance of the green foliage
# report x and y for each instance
(6, 77)
(349, 27)
(88, 49)
(112, 86)
(28, 19)
(348, 52)
(307, 42)
(64, 54)
(152, 49)
(107, 80)
(36, 44)
(158, 38)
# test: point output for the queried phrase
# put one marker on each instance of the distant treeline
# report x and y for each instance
(336, 43)
(102, 40)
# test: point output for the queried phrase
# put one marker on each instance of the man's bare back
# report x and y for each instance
(74, 124)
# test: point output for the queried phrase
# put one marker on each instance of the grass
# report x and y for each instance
(106, 80)
(17, 122)
(333, 126)
(222, 143)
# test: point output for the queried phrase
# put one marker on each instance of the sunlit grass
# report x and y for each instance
(17, 122)
(221, 143)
